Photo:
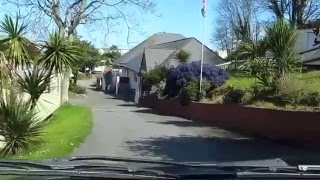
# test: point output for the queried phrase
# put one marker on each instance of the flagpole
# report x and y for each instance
(201, 62)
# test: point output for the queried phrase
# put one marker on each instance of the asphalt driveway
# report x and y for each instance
(121, 129)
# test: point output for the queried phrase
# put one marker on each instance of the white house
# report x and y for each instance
(308, 46)
(160, 49)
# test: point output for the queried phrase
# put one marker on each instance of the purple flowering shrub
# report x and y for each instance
(178, 76)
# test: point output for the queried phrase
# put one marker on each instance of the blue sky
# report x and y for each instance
(176, 16)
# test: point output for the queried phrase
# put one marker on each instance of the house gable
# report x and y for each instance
(209, 57)
(133, 59)
(193, 46)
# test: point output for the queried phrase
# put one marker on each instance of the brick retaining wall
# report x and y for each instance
(299, 127)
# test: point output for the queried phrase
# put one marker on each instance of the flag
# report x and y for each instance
(203, 9)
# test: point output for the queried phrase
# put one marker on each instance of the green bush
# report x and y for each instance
(235, 96)
(153, 77)
(183, 56)
(311, 99)
(189, 92)
(291, 90)
(296, 92)
(219, 91)
(260, 92)
(77, 89)
(18, 125)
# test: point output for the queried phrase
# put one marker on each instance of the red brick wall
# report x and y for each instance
(292, 126)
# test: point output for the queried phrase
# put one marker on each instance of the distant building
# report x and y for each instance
(104, 50)
(308, 46)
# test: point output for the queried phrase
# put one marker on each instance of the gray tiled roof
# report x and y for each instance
(177, 44)
(165, 53)
(156, 56)
(160, 48)
(133, 58)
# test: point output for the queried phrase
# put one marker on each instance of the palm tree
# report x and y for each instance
(34, 81)
(15, 43)
(59, 54)
(18, 125)
(183, 56)
(253, 49)
(4, 72)
(281, 40)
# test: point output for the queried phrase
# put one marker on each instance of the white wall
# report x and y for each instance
(133, 79)
(51, 100)
(305, 40)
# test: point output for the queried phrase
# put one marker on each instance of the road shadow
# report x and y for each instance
(213, 149)
(127, 105)
(180, 123)
(115, 96)
(148, 111)
(186, 123)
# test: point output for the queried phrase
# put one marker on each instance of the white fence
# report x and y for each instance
(224, 66)
(51, 100)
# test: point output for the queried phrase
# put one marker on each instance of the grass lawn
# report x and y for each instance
(240, 82)
(62, 134)
(311, 79)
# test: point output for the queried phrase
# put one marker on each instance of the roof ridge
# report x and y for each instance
(170, 42)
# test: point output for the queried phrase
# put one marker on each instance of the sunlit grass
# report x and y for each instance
(62, 134)
(241, 82)
(311, 79)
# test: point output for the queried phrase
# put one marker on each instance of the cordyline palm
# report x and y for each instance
(281, 40)
(18, 125)
(4, 71)
(183, 56)
(14, 43)
(253, 49)
(59, 54)
(34, 81)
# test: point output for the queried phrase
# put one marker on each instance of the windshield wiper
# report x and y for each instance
(25, 167)
(300, 172)
(252, 169)
(133, 160)
(97, 166)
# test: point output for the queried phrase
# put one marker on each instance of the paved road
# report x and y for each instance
(121, 129)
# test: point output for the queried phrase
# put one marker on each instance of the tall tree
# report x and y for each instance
(59, 54)
(88, 57)
(15, 44)
(112, 53)
(281, 40)
(223, 36)
(239, 16)
(69, 14)
(298, 12)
